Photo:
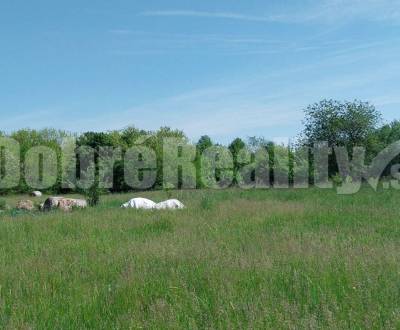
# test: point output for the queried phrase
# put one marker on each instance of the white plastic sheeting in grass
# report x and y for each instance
(170, 204)
(147, 204)
(139, 203)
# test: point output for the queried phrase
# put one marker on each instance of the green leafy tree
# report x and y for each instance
(204, 143)
(340, 123)
(235, 147)
(382, 138)
(347, 124)
(28, 138)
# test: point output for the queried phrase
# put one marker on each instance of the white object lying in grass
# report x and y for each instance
(147, 204)
(139, 203)
(170, 204)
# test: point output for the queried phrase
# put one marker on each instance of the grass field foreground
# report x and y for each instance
(231, 259)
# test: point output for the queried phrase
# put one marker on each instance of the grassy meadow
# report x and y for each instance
(233, 259)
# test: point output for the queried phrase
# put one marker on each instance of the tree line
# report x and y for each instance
(344, 124)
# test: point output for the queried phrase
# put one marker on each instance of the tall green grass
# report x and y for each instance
(231, 259)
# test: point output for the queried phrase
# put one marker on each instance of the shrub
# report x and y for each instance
(3, 204)
(168, 188)
(93, 195)
(337, 180)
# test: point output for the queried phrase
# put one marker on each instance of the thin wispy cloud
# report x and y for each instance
(370, 10)
(213, 69)
(325, 12)
(262, 103)
(133, 42)
(194, 37)
(136, 43)
(209, 14)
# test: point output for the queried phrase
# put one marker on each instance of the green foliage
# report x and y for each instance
(3, 204)
(346, 124)
(217, 168)
(204, 143)
(337, 179)
(340, 123)
(382, 138)
(93, 195)
(28, 138)
(235, 147)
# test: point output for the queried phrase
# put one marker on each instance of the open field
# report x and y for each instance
(232, 259)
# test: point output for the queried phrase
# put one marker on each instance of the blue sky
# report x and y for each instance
(223, 68)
